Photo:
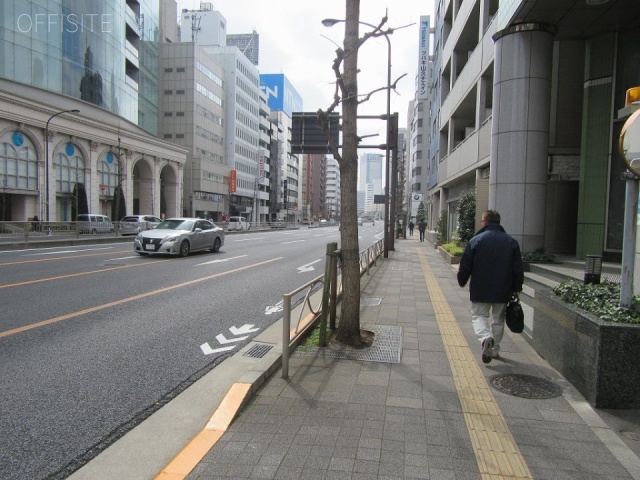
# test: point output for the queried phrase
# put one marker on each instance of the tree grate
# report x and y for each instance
(258, 351)
(370, 301)
(525, 386)
(386, 348)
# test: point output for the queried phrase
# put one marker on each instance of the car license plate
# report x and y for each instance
(149, 246)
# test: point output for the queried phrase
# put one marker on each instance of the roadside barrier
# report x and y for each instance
(318, 298)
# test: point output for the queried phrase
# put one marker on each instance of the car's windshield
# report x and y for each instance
(176, 225)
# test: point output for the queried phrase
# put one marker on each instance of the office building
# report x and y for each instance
(107, 69)
(531, 105)
(248, 44)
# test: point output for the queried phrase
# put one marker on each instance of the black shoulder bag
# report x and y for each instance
(515, 315)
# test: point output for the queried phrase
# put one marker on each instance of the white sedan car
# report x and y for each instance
(180, 236)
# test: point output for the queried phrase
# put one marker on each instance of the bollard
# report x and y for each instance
(592, 269)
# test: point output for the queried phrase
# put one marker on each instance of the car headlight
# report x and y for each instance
(171, 239)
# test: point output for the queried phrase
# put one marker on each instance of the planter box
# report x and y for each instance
(599, 358)
(453, 260)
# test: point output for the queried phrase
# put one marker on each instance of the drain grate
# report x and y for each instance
(370, 301)
(386, 348)
(525, 386)
(258, 351)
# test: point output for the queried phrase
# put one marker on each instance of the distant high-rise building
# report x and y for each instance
(248, 44)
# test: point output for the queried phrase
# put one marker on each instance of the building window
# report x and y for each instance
(168, 92)
(179, 114)
(180, 69)
(168, 114)
(18, 163)
(69, 166)
(108, 174)
(168, 70)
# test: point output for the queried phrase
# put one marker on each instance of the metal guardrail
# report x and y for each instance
(305, 295)
(28, 230)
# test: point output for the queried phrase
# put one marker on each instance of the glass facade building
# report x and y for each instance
(100, 51)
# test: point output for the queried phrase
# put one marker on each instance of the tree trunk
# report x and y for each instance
(349, 327)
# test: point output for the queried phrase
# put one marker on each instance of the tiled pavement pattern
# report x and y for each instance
(431, 416)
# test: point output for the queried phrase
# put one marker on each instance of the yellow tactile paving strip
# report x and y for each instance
(497, 453)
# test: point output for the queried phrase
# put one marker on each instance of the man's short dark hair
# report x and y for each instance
(491, 217)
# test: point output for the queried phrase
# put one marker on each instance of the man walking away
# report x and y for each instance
(493, 260)
(411, 225)
(421, 228)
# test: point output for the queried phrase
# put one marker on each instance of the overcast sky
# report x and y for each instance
(293, 41)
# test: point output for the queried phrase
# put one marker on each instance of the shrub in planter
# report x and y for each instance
(537, 256)
(584, 334)
(453, 249)
(602, 300)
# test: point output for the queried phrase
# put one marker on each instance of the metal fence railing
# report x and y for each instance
(310, 298)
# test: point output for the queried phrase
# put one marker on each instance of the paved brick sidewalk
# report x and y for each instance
(435, 414)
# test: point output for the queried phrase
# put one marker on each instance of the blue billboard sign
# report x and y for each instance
(280, 93)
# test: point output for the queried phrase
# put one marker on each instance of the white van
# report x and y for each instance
(90, 223)
(237, 223)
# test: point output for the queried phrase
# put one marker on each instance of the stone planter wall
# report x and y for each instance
(600, 359)
(453, 260)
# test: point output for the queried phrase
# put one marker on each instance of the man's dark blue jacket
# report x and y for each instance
(493, 261)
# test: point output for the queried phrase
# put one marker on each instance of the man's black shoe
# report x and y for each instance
(487, 347)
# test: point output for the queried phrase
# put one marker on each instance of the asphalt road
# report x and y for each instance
(94, 338)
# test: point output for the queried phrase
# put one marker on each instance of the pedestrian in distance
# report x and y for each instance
(493, 261)
(421, 228)
(411, 226)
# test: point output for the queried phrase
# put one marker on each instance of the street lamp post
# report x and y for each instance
(329, 22)
(46, 155)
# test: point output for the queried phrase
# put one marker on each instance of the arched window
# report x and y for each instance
(18, 162)
(108, 174)
(69, 166)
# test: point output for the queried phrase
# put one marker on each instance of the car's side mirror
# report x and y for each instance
(198, 230)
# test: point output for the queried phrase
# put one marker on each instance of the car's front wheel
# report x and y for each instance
(216, 245)
(184, 249)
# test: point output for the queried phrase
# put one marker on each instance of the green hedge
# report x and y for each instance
(602, 300)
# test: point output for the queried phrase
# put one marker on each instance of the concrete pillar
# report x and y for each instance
(520, 135)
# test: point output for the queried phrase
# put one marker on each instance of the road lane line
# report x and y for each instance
(79, 274)
(129, 299)
(496, 451)
(20, 262)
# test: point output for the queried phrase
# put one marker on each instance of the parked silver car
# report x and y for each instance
(180, 236)
(134, 224)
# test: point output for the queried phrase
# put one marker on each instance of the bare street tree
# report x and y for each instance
(346, 94)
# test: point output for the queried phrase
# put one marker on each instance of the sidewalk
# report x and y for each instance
(420, 403)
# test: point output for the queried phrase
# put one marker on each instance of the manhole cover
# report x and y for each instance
(630, 435)
(525, 386)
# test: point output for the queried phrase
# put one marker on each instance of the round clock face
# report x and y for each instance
(416, 197)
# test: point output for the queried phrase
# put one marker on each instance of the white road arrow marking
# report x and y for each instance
(246, 328)
(308, 267)
(207, 350)
(222, 339)
(219, 261)
(273, 308)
